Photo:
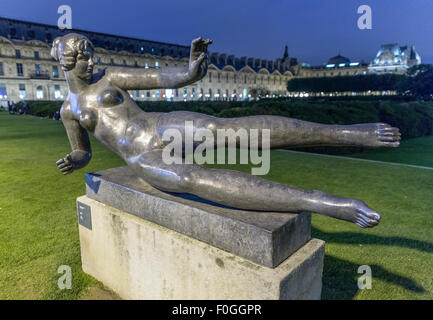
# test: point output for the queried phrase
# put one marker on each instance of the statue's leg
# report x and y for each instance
(287, 132)
(245, 191)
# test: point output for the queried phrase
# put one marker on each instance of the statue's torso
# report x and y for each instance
(114, 119)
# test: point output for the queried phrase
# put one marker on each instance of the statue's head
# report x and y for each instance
(74, 52)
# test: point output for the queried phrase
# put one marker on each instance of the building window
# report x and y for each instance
(3, 92)
(22, 90)
(18, 54)
(124, 62)
(245, 79)
(210, 76)
(227, 78)
(39, 92)
(148, 94)
(36, 55)
(157, 65)
(20, 69)
(57, 92)
(38, 69)
(136, 64)
(146, 65)
(137, 93)
(219, 77)
(55, 72)
(1, 69)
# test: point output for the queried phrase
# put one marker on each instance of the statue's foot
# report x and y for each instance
(373, 135)
(360, 214)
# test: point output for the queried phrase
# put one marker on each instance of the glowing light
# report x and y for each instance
(168, 93)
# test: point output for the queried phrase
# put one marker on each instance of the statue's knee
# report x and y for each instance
(186, 182)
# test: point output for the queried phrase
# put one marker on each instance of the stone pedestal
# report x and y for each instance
(147, 244)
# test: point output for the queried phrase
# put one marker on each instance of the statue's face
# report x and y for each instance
(84, 66)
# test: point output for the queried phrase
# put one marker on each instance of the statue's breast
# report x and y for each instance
(110, 98)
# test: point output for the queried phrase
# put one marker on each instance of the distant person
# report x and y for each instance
(56, 115)
(26, 107)
(13, 108)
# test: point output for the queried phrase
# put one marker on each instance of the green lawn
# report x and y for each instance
(38, 224)
(418, 151)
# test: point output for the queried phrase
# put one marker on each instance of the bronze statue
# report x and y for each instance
(100, 104)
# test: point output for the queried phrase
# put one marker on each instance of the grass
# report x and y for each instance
(38, 224)
(418, 151)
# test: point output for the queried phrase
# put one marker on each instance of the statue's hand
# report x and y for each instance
(65, 164)
(198, 58)
(73, 161)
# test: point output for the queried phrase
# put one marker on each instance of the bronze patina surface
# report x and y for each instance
(99, 103)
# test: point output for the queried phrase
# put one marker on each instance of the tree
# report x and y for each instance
(359, 83)
(418, 83)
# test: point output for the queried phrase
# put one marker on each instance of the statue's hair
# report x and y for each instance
(66, 49)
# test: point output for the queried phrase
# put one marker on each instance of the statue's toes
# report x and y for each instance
(367, 218)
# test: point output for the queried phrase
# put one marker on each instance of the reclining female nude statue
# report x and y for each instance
(100, 104)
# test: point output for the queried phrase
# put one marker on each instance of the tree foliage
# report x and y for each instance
(418, 83)
(361, 83)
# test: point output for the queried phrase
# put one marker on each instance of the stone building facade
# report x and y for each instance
(27, 71)
(395, 59)
(336, 66)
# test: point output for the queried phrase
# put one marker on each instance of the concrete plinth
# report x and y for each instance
(144, 243)
(139, 259)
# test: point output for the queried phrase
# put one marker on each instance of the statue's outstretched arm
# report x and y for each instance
(146, 79)
(165, 77)
(80, 144)
(245, 191)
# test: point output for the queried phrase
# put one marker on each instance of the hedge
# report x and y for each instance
(413, 118)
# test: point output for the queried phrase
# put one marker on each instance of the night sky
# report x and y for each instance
(314, 30)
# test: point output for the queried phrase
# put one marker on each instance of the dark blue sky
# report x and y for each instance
(314, 30)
